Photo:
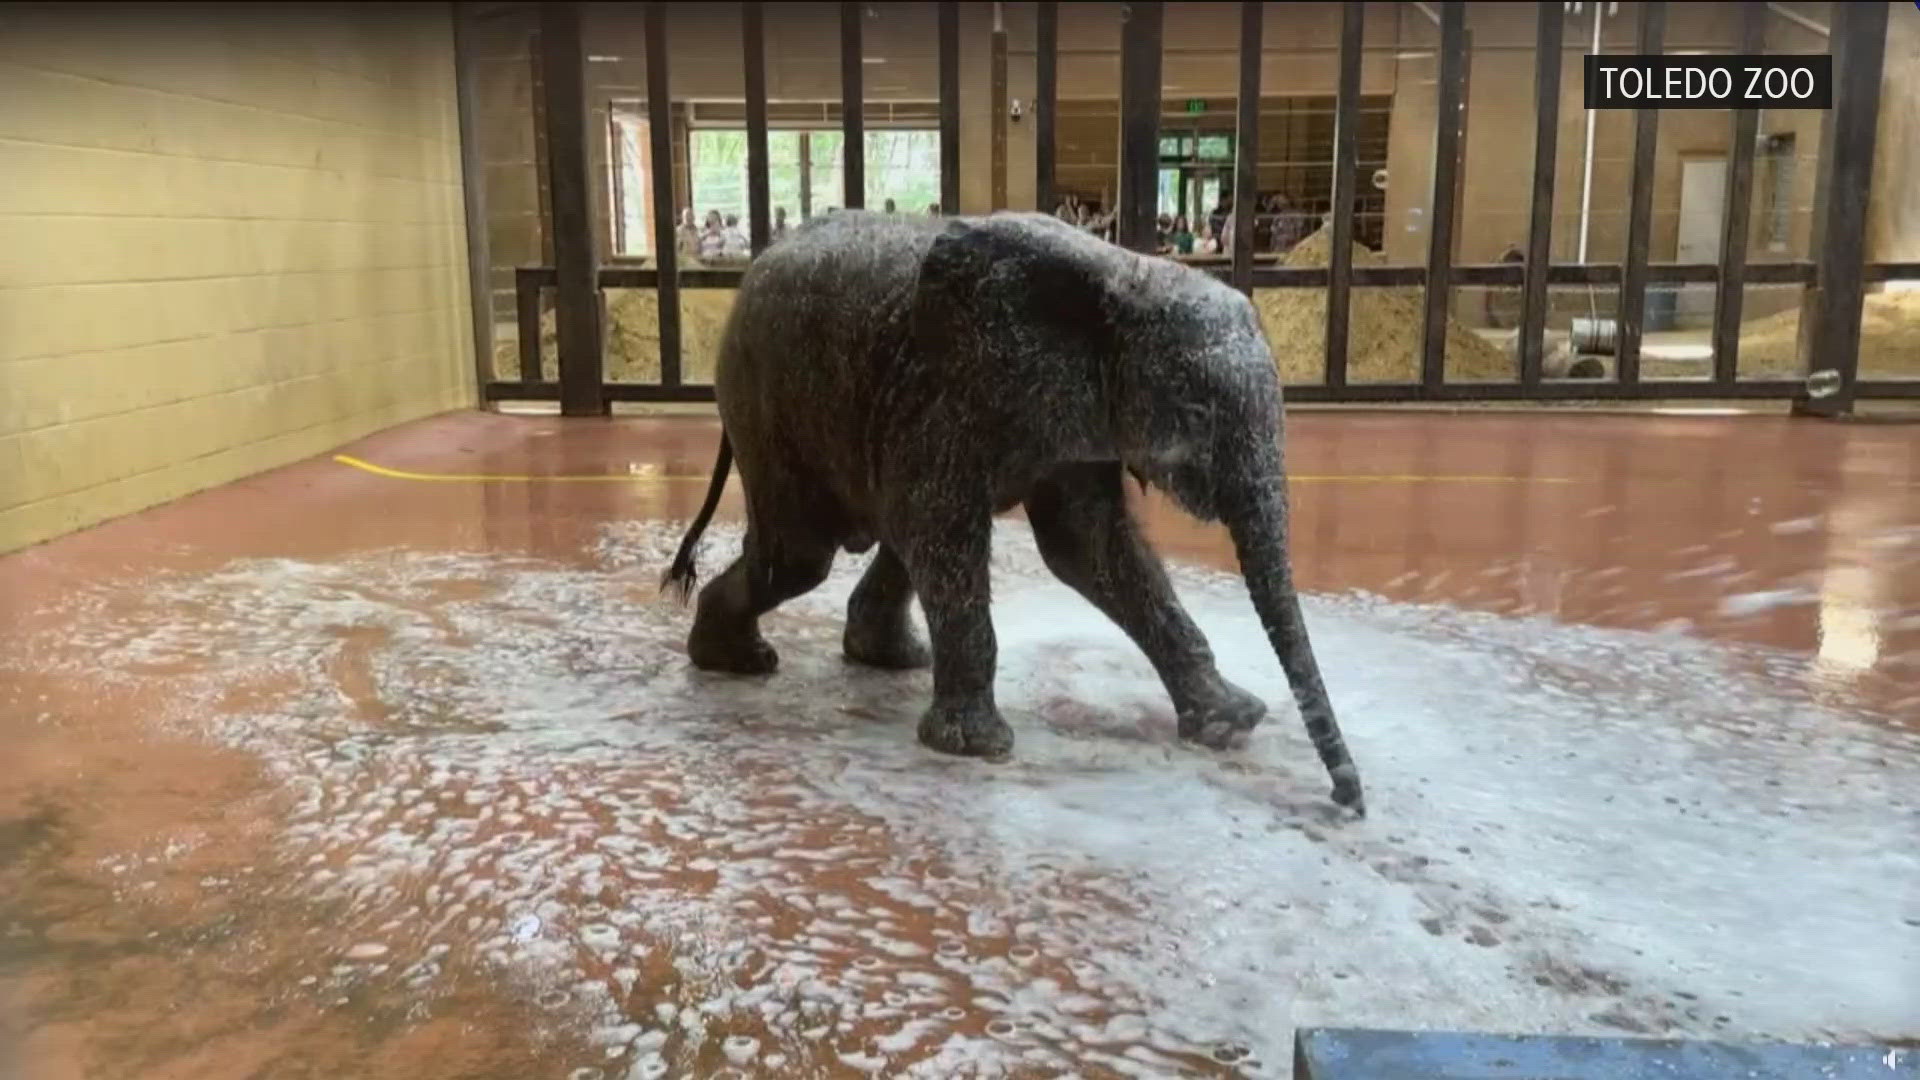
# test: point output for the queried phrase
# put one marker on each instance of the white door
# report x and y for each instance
(1703, 202)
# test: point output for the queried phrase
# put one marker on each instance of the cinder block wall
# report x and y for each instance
(230, 237)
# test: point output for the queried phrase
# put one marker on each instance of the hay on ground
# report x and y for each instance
(1383, 335)
(1383, 328)
(633, 337)
(1889, 339)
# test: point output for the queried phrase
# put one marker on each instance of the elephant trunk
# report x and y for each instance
(1256, 515)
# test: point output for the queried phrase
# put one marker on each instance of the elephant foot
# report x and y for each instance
(894, 649)
(1346, 789)
(966, 730)
(1220, 720)
(734, 654)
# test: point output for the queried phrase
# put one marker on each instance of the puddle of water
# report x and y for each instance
(500, 777)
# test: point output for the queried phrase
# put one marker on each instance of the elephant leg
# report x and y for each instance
(946, 556)
(879, 617)
(1091, 542)
(726, 624)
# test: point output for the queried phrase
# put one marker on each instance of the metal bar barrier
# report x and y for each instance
(1534, 300)
(1355, 393)
(1046, 90)
(1441, 206)
(1246, 144)
(1830, 320)
(577, 303)
(1346, 113)
(754, 59)
(1140, 41)
(1304, 277)
(1730, 295)
(1629, 325)
(473, 191)
(853, 104)
(660, 143)
(949, 46)
(526, 305)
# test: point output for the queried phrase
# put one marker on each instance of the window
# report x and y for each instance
(630, 187)
(804, 171)
(718, 157)
(1216, 148)
(901, 164)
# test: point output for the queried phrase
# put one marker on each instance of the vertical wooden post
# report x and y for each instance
(666, 256)
(1346, 122)
(473, 192)
(754, 58)
(1830, 316)
(1534, 298)
(1730, 293)
(1045, 92)
(1140, 51)
(1633, 274)
(1246, 145)
(1442, 206)
(949, 46)
(853, 117)
(998, 92)
(576, 263)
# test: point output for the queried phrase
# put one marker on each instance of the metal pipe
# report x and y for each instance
(1586, 168)
(1799, 20)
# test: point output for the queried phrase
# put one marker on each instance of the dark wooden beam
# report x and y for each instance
(1442, 204)
(1140, 42)
(1534, 300)
(1730, 297)
(575, 262)
(1046, 92)
(1346, 119)
(473, 175)
(997, 92)
(853, 118)
(1630, 326)
(1830, 316)
(666, 256)
(1246, 146)
(754, 59)
(949, 48)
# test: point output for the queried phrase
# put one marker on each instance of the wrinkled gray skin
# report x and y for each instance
(900, 381)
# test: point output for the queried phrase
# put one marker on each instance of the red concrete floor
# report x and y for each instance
(159, 915)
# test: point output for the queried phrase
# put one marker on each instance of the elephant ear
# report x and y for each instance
(1009, 280)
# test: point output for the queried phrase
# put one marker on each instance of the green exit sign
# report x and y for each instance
(1196, 105)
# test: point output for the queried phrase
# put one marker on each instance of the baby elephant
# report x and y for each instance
(901, 380)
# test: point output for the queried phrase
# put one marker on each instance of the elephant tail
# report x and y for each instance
(680, 577)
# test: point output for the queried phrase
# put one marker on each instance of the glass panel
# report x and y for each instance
(719, 171)
(826, 190)
(783, 175)
(904, 166)
(1209, 196)
(634, 235)
(1216, 148)
(1169, 201)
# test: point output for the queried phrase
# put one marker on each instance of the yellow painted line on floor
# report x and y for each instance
(486, 478)
(635, 478)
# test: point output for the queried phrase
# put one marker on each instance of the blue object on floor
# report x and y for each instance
(1360, 1054)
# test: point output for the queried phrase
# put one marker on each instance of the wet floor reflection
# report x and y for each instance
(330, 774)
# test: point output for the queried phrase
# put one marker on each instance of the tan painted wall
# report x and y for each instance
(231, 241)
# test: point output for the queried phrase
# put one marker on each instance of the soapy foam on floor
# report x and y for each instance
(507, 766)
